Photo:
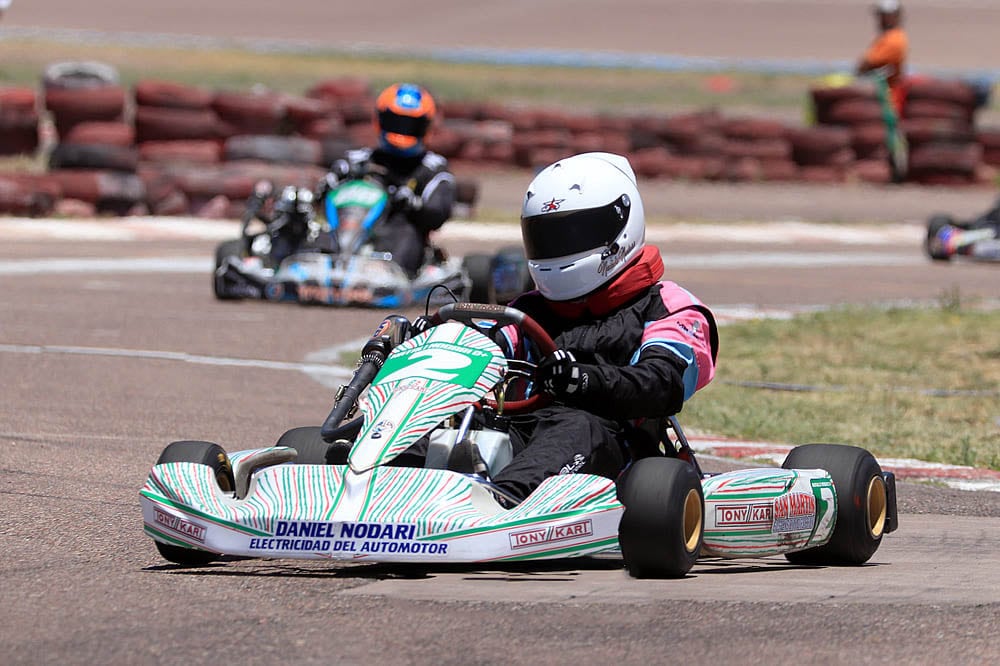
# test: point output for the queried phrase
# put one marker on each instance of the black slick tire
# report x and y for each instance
(233, 248)
(663, 526)
(312, 448)
(203, 453)
(862, 504)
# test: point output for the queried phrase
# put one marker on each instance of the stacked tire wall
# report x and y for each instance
(937, 120)
(167, 148)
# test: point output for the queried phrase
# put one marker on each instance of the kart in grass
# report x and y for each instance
(298, 257)
(978, 238)
(337, 491)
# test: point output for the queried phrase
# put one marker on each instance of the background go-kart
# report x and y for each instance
(111, 347)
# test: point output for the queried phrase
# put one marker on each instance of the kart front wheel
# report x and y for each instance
(313, 449)
(203, 453)
(232, 248)
(862, 503)
(662, 528)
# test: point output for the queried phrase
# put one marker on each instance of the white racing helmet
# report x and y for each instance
(582, 223)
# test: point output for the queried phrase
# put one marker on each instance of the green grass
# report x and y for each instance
(872, 370)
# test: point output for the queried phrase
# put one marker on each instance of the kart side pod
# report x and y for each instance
(760, 512)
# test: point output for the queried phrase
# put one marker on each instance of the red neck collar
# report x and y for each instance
(645, 271)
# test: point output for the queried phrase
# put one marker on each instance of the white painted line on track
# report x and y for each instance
(719, 261)
(780, 232)
(314, 369)
(108, 265)
(741, 260)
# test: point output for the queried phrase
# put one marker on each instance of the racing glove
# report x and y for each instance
(406, 199)
(420, 325)
(560, 375)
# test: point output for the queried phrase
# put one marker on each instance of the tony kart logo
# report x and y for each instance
(551, 205)
(543, 535)
(180, 526)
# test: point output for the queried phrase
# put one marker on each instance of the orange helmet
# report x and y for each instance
(403, 113)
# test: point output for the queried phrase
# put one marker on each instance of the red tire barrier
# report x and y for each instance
(181, 152)
(18, 98)
(822, 174)
(945, 158)
(98, 132)
(927, 130)
(18, 121)
(34, 196)
(931, 108)
(951, 91)
(761, 149)
(357, 111)
(301, 111)
(784, 170)
(875, 171)
(23, 141)
(172, 95)
(100, 187)
(94, 156)
(851, 112)
(822, 145)
(72, 106)
(753, 129)
(250, 113)
(288, 149)
(154, 123)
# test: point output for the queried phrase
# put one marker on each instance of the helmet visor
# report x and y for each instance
(561, 234)
(393, 123)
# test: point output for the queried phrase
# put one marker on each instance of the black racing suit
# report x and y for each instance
(405, 232)
(643, 352)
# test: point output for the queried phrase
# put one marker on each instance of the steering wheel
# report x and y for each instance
(503, 315)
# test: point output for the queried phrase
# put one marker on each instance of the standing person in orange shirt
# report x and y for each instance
(889, 50)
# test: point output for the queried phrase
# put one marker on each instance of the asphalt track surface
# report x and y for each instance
(101, 368)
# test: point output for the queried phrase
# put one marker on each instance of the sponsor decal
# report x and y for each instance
(550, 534)
(186, 528)
(381, 427)
(608, 263)
(794, 512)
(574, 465)
(314, 293)
(739, 515)
(551, 205)
(363, 538)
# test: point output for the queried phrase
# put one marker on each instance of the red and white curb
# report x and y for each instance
(954, 476)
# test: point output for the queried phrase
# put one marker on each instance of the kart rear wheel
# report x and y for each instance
(203, 453)
(862, 503)
(931, 245)
(232, 248)
(312, 448)
(479, 268)
(662, 528)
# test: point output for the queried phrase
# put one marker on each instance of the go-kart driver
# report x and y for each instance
(632, 348)
(423, 188)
